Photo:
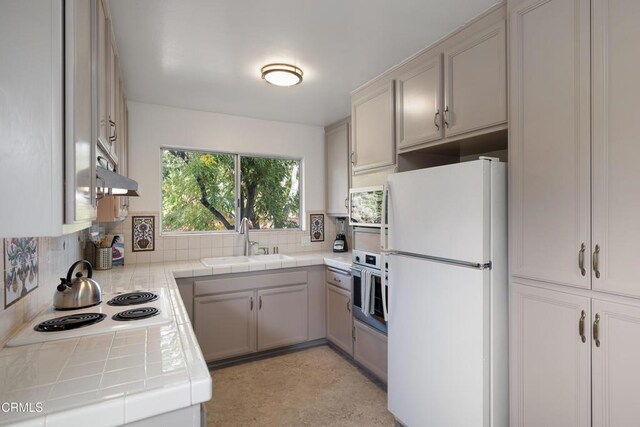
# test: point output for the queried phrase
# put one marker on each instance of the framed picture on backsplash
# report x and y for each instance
(20, 268)
(143, 233)
(117, 249)
(317, 227)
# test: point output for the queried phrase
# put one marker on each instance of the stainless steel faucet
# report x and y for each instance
(244, 229)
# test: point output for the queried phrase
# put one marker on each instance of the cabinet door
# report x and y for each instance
(616, 200)
(419, 104)
(550, 364)
(282, 316)
(372, 121)
(615, 364)
(339, 320)
(31, 117)
(225, 325)
(103, 76)
(80, 153)
(338, 170)
(549, 148)
(370, 349)
(114, 91)
(476, 82)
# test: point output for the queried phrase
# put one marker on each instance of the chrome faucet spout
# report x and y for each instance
(244, 229)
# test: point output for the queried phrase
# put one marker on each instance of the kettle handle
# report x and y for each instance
(75, 264)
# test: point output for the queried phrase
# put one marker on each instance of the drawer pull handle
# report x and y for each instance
(581, 326)
(349, 306)
(260, 303)
(251, 304)
(596, 330)
(435, 119)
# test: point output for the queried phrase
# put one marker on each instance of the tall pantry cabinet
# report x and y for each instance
(574, 210)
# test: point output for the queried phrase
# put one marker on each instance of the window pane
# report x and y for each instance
(198, 191)
(270, 192)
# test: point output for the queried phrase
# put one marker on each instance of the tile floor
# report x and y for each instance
(314, 387)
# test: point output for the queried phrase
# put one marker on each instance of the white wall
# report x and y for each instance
(152, 127)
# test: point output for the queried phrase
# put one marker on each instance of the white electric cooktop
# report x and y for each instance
(141, 309)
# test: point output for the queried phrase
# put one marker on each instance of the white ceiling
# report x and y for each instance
(206, 54)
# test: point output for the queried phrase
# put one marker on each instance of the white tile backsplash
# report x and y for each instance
(192, 247)
(55, 256)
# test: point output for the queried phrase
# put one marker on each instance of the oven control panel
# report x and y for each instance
(366, 258)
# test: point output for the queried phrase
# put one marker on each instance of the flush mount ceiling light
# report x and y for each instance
(282, 74)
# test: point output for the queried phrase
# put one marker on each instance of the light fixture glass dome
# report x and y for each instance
(282, 74)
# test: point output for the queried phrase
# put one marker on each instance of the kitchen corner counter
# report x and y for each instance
(124, 376)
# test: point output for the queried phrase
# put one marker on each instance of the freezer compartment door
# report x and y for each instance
(439, 348)
(442, 212)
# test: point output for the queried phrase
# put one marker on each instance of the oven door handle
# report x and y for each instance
(383, 289)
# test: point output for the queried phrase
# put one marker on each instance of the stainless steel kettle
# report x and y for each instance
(79, 292)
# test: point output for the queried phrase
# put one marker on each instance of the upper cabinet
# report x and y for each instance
(372, 121)
(476, 82)
(549, 142)
(454, 91)
(103, 43)
(80, 114)
(616, 90)
(338, 172)
(46, 110)
(110, 92)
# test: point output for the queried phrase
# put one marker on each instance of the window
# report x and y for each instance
(204, 191)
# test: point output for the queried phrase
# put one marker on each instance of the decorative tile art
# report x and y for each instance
(20, 268)
(117, 248)
(317, 227)
(143, 232)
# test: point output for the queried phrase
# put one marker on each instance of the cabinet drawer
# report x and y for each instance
(370, 349)
(338, 278)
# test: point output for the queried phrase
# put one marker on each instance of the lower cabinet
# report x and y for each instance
(370, 349)
(339, 319)
(282, 316)
(573, 358)
(240, 314)
(615, 371)
(225, 324)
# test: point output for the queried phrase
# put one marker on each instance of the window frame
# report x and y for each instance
(237, 189)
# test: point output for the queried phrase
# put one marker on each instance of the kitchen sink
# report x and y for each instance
(227, 260)
(267, 258)
(231, 260)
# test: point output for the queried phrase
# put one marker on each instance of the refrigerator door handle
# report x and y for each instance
(383, 219)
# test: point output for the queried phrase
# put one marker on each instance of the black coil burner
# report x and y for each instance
(136, 314)
(72, 321)
(133, 298)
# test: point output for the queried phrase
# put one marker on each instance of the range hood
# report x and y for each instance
(113, 184)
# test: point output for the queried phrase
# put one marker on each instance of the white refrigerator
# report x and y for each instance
(448, 302)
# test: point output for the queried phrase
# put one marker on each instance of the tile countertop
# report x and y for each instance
(123, 376)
